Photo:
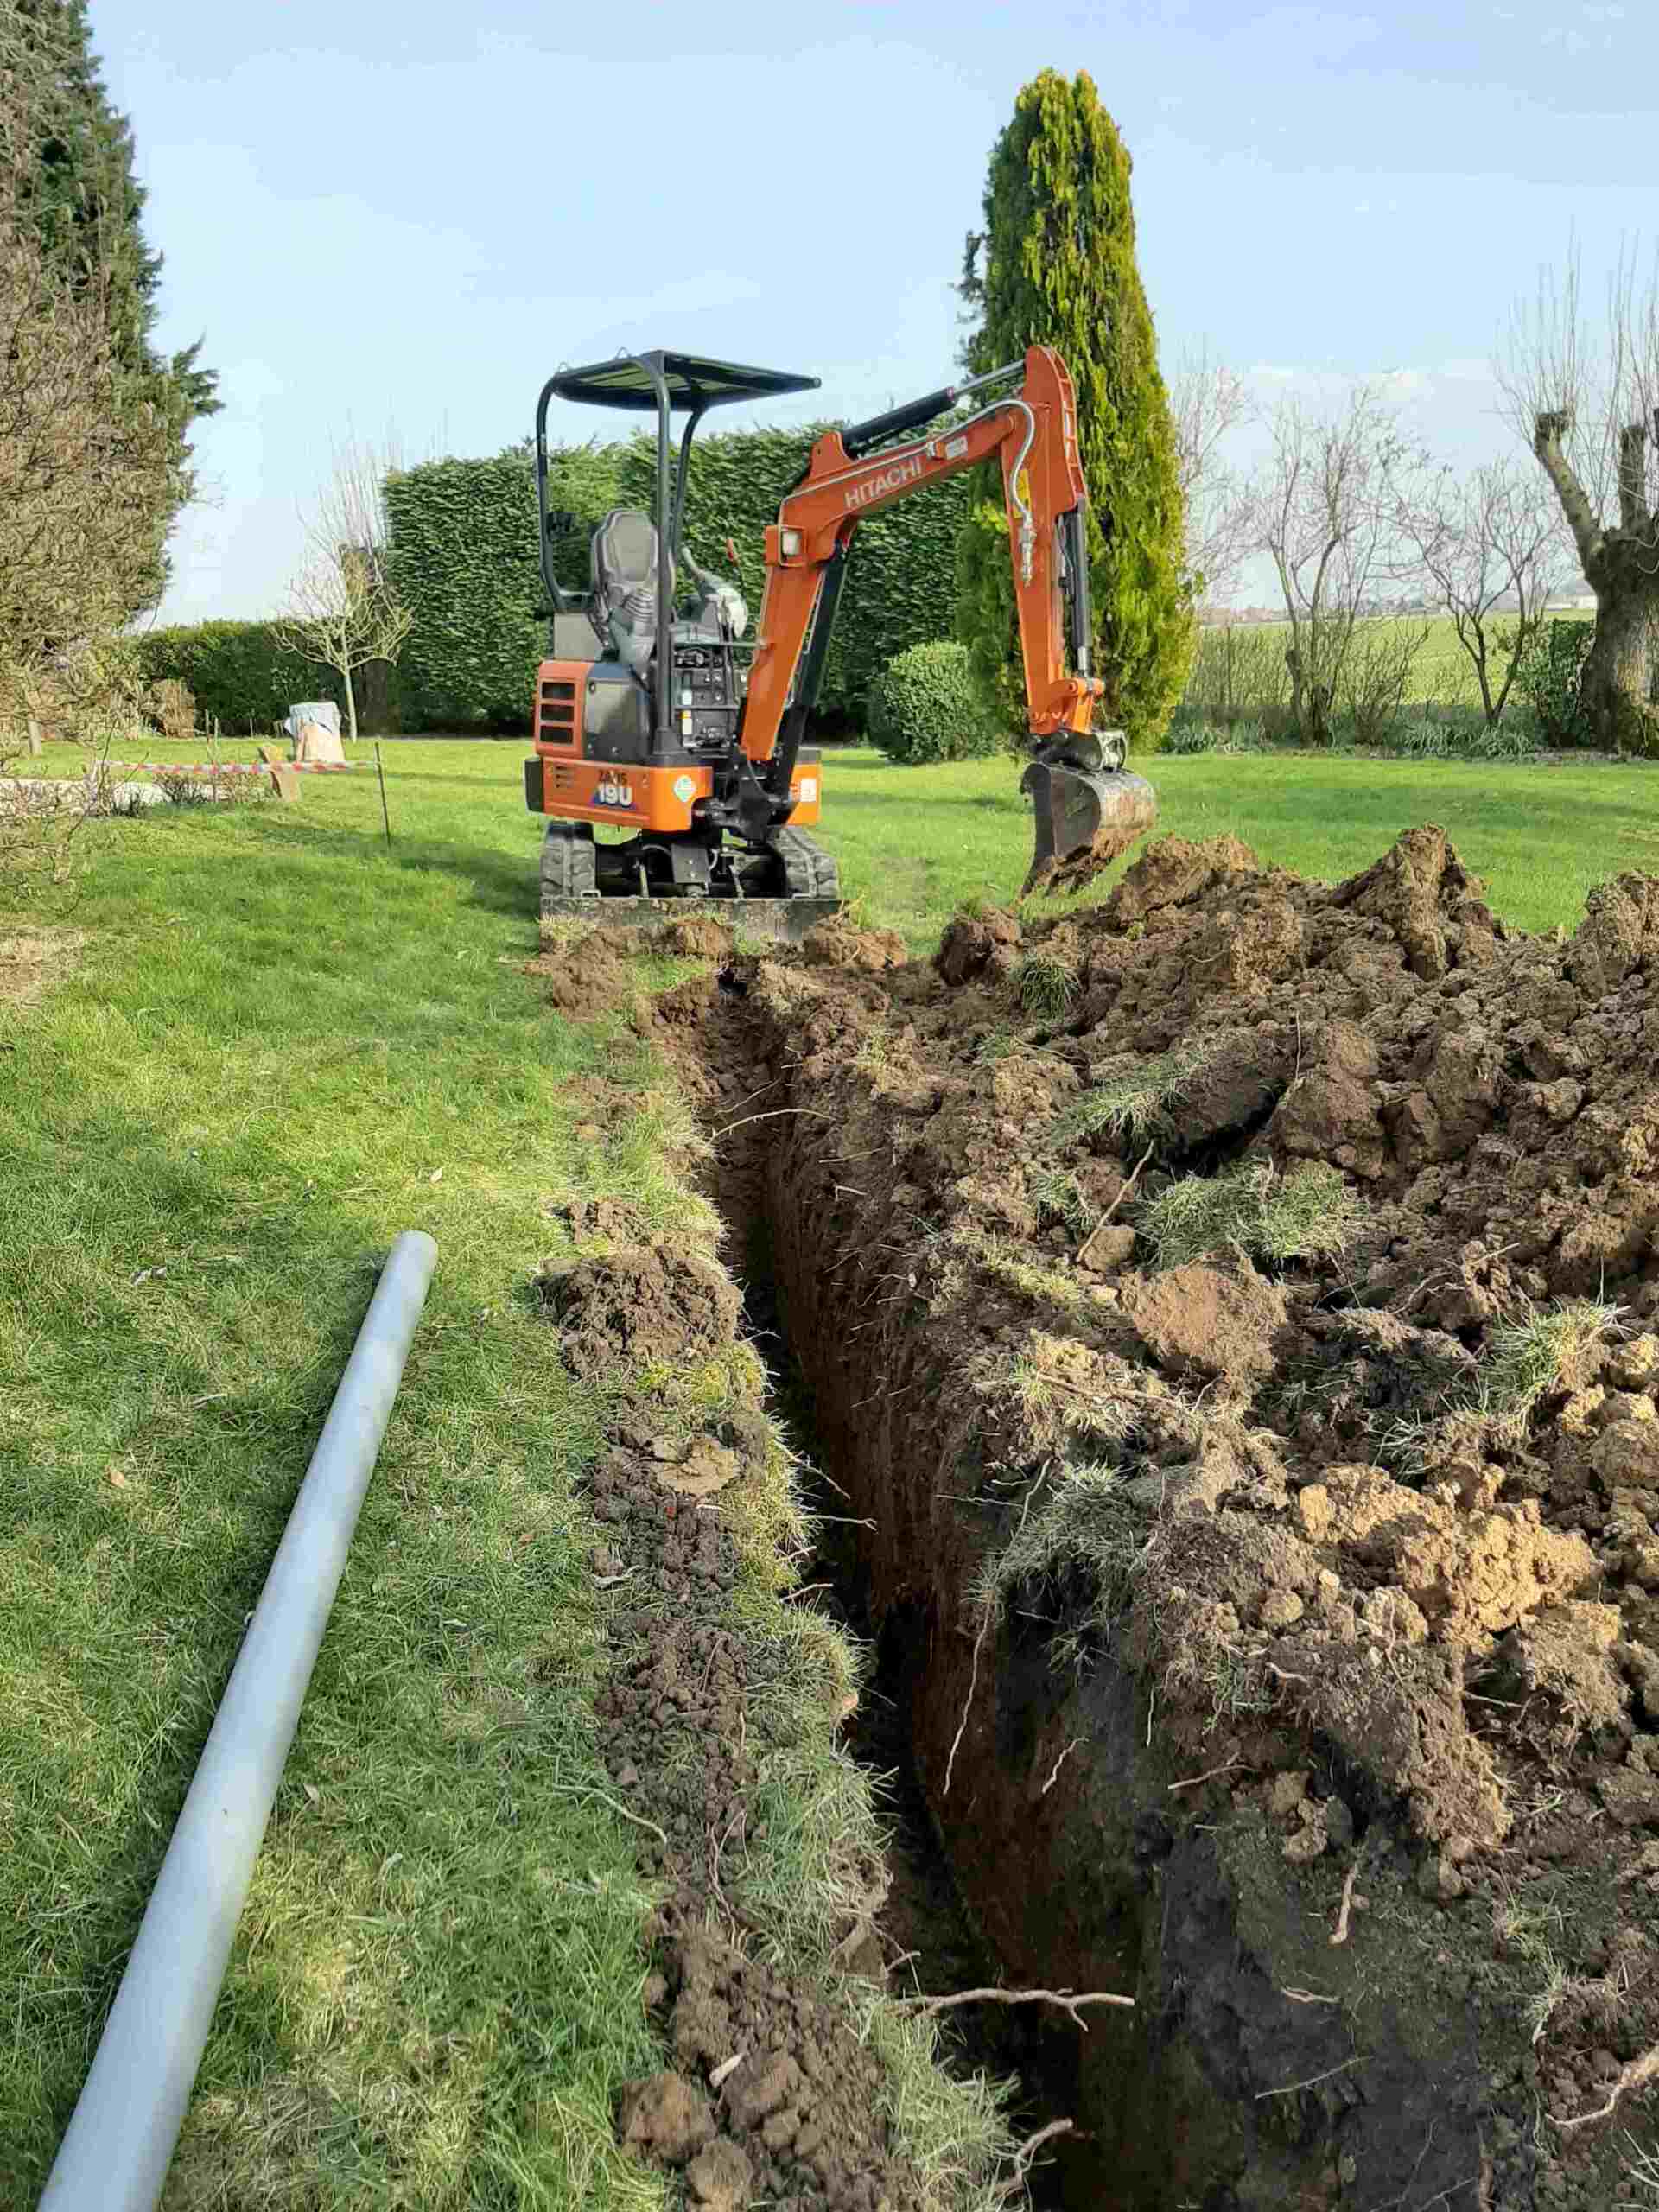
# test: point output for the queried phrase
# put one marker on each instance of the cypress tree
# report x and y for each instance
(76, 185)
(1054, 264)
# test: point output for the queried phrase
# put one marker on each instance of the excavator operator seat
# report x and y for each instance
(624, 555)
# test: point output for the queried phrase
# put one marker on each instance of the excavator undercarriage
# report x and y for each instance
(669, 751)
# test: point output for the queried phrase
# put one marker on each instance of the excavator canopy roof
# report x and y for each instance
(626, 381)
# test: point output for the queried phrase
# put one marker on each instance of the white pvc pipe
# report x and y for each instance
(119, 2143)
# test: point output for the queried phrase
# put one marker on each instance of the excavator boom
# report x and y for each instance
(1087, 809)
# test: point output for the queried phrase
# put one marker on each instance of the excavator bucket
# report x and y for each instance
(1085, 814)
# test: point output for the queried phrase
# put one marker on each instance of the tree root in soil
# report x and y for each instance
(1064, 1999)
(1633, 2075)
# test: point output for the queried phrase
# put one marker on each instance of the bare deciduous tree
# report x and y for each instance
(1585, 399)
(1491, 549)
(81, 475)
(343, 611)
(1208, 400)
(1324, 504)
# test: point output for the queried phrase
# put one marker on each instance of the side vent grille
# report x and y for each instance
(557, 716)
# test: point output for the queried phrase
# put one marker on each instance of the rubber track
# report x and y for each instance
(568, 863)
(810, 872)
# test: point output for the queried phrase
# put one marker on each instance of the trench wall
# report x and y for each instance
(1051, 1791)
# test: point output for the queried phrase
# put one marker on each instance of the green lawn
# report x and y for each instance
(915, 842)
(282, 1043)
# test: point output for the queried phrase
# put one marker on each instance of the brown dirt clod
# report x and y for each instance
(1225, 1325)
(665, 2116)
(640, 1302)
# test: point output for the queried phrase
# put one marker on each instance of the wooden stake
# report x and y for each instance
(380, 770)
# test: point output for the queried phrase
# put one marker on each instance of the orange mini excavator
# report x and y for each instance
(654, 720)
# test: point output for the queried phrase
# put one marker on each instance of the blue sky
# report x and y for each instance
(388, 216)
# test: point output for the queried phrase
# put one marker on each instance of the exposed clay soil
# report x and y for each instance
(1322, 1607)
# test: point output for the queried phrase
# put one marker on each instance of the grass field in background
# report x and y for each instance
(1442, 673)
(913, 842)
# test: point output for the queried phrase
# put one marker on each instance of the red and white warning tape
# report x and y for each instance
(237, 767)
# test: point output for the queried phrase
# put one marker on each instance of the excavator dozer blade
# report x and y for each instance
(768, 921)
(1084, 820)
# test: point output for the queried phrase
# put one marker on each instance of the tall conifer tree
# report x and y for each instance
(1054, 264)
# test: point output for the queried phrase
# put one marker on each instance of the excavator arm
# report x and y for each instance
(1087, 809)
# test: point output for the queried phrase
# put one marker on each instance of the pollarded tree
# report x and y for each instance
(1054, 265)
(1586, 401)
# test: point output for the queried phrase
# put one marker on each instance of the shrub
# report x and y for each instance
(1239, 669)
(1546, 677)
(1197, 735)
(239, 674)
(1373, 673)
(181, 790)
(1246, 737)
(1190, 737)
(925, 706)
(1448, 737)
(1427, 739)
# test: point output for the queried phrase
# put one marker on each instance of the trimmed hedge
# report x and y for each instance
(926, 705)
(900, 579)
(238, 672)
(463, 557)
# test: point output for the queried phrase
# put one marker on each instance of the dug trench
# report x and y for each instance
(1229, 1314)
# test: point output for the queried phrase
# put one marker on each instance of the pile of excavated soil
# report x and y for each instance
(771, 2093)
(640, 1302)
(587, 967)
(772, 2096)
(1323, 1563)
